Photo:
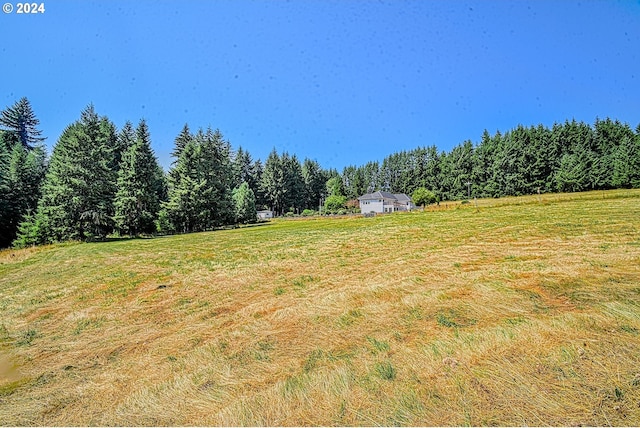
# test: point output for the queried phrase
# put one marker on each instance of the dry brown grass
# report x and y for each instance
(521, 312)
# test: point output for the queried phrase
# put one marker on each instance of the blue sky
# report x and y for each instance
(343, 82)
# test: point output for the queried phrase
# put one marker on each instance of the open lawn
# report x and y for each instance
(523, 311)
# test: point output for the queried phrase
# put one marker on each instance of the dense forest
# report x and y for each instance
(101, 181)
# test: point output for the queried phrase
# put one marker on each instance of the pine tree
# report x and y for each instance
(272, 183)
(609, 135)
(371, 174)
(626, 163)
(199, 185)
(6, 207)
(353, 181)
(20, 120)
(314, 183)
(216, 168)
(293, 199)
(125, 139)
(256, 172)
(137, 200)
(187, 205)
(483, 157)
(541, 166)
(181, 141)
(571, 176)
(78, 189)
(23, 171)
(8, 140)
(455, 172)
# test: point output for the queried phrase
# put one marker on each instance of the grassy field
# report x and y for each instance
(520, 311)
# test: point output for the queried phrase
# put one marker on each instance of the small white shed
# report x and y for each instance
(265, 214)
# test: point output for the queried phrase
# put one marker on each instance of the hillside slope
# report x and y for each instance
(524, 311)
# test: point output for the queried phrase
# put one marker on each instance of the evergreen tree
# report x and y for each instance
(6, 208)
(314, 183)
(137, 200)
(353, 182)
(608, 137)
(240, 164)
(257, 170)
(125, 139)
(181, 141)
(483, 157)
(272, 183)
(20, 120)
(245, 204)
(245, 170)
(455, 172)
(571, 176)
(199, 185)
(78, 189)
(215, 166)
(26, 172)
(293, 197)
(626, 163)
(187, 208)
(371, 177)
(389, 173)
(575, 170)
(8, 140)
(538, 161)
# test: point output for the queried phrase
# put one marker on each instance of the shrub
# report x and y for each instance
(307, 213)
(422, 197)
(245, 204)
(334, 202)
(352, 205)
(31, 231)
(164, 225)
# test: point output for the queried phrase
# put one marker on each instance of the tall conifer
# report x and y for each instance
(20, 120)
(78, 190)
(137, 200)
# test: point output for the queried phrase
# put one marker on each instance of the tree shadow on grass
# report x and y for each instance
(145, 237)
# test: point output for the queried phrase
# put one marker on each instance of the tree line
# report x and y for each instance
(568, 157)
(100, 180)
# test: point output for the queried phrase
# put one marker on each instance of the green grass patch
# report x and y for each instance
(453, 319)
(378, 345)
(26, 337)
(9, 388)
(385, 370)
(349, 318)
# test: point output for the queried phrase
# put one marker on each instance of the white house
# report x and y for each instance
(265, 214)
(385, 202)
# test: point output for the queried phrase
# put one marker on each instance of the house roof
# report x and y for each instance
(400, 197)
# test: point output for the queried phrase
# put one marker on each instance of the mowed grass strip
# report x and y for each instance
(518, 311)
